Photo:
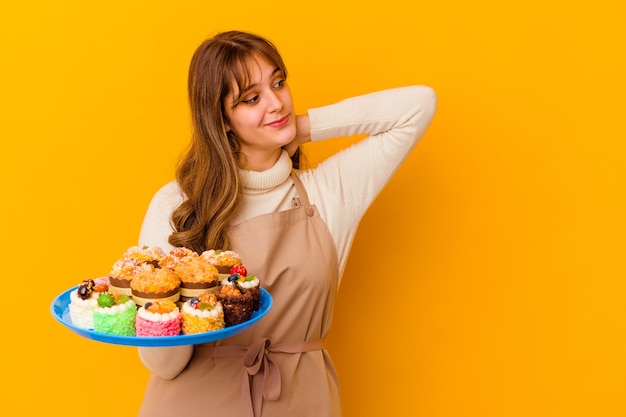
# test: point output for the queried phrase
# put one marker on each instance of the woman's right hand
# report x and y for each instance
(303, 134)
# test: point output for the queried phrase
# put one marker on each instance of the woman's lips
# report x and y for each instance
(280, 122)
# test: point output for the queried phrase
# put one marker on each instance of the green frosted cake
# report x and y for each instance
(115, 314)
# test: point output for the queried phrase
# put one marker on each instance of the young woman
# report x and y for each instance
(240, 187)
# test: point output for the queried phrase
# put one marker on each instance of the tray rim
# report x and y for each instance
(60, 305)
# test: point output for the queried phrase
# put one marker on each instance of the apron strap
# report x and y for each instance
(302, 194)
(260, 368)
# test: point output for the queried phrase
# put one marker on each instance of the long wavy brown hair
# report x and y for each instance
(208, 173)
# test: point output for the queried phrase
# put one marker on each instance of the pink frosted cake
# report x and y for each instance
(159, 318)
(83, 302)
(202, 314)
(115, 314)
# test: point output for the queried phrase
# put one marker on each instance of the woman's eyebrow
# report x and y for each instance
(251, 86)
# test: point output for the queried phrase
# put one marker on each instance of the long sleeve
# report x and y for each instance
(166, 362)
(345, 185)
(157, 226)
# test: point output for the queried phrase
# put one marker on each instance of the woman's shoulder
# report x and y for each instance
(169, 193)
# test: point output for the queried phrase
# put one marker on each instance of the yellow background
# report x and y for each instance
(487, 279)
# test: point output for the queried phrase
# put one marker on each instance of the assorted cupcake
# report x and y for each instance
(175, 255)
(223, 260)
(197, 275)
(238, 298)
(152, 293)
(146, 254)
(115, 314)
(133, 261)
(248, 282)
(202, 314)
(83, 301)
(155, 284)
(159, 318)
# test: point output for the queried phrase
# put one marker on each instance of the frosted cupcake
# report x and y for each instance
(175, 255)
(155, 284)
(83, 301)
(159, 318)
(115, 314)
(197, 275)
(223, 260)
(134, 261)
(237, 301)
(202, 314)
(146, 254)
(248, 282)
(123, 272)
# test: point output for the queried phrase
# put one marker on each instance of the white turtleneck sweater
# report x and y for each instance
(342, 187)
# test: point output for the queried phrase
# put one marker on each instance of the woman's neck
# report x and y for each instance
(258, 182)
(259, 161)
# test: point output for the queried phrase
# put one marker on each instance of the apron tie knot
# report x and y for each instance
(261, 368)
(261, 381)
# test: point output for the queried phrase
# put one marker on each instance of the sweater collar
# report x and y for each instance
(256, 182)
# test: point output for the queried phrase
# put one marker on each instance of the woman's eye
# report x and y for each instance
(279, 83)
(251, 100)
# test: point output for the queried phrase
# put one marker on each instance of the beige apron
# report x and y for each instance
(278, 368)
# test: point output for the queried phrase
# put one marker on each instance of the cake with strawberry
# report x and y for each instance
(223, 260)
(153, 284)
(248, 282)
(83, 301)
(240, 296)
(197, 275)
(202, 314)
(115, 314)
(159, 318)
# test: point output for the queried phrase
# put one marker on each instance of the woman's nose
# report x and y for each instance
(275, 103)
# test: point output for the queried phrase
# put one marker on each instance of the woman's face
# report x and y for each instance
(263, 120)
